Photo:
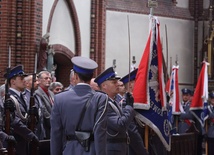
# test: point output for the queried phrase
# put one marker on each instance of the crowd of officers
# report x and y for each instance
(205, 134)
(92, 116)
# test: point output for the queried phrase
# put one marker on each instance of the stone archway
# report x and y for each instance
(62, 58)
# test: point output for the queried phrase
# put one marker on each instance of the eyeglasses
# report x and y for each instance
(58, 89)
(46, 78)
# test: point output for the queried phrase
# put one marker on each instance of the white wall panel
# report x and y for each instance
(180, 41)
(182, 3)
(83, 8)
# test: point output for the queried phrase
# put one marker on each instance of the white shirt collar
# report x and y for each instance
(16, 91)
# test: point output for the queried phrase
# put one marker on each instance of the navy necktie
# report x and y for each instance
(23, 100)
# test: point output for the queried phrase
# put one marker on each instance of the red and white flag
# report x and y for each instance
(173, 91)
(199, 103)
(141, 90)
(149, 89)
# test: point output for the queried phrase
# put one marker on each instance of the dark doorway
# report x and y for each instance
(64, 66)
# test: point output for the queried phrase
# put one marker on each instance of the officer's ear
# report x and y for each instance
(104, 85)
(76, 78)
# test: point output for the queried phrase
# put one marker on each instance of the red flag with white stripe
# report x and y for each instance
(141, 89)
(149, 89)
(174, 91)
(199, 103)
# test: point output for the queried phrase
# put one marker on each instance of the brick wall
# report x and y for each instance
(7, 34)
(165, 8)
(97, 44)
(21, 27)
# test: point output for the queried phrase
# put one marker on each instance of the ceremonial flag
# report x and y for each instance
(175, 107)
(149, 90)
(199, 105)
(174, 101)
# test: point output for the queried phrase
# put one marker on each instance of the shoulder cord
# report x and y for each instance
(114, 108)
(24, 118)
(118, 113)
(82, 114)
(101, 114)
(209, 108)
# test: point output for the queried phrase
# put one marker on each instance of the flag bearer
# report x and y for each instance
(186, 117)
(210, 132)
(136, 146)
(118, 120)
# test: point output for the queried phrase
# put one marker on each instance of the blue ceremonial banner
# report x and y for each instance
(157, 119)
(149, 90)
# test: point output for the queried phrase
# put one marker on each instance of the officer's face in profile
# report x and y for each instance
(122, 89)
(36, 83)
(111, 87)
(212, 101)
(28, 82)
(18, 83)
(130, 86)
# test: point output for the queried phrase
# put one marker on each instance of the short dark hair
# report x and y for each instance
(85, 77)
(9, 80)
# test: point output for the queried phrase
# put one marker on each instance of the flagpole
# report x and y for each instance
(176, 116)
(129, 52)
(151, 5)
(167, 52)
(206, 124)
(206, 144)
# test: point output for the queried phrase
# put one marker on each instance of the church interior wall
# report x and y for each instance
(206, 4)
(180, 41)
(203, 33)
(182, 4)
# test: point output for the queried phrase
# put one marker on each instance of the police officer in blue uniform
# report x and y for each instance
(186, 117)
(187, 120)
(210, 132)
(118, 119)
(186, 94)
(79, 110)
(3, 136)
(136, 146)
(22, 134)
